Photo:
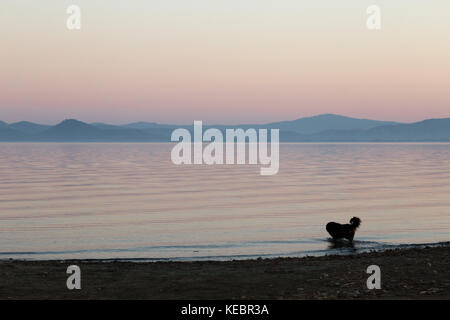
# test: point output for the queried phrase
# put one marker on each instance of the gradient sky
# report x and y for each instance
(230, 61)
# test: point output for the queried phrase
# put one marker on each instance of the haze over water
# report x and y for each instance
(129, 201)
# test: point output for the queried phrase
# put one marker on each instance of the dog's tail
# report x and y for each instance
(355, 222)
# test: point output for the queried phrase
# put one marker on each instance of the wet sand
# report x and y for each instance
(405, 274)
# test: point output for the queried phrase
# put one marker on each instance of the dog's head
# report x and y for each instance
(355, 222)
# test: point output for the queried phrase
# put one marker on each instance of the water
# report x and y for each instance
(128, 201)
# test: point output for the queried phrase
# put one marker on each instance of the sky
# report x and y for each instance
(234, 61)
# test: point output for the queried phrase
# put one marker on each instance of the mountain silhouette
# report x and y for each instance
(142, 125)
(71, 130)
(10, 135)
(28, 127)
(322, 128)
(324, 122)
(427, 130)
(431, 129)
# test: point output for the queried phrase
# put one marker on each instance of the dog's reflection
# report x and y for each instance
(340, 244)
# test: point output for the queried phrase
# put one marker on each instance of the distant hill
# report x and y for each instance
(28, 127)
(10, 135)
(323, 128)
(324, 122)
(142, 125)
(72, 130)
(427, 130)
(102, 125)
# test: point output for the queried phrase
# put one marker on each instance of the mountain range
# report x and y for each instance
(321, 128)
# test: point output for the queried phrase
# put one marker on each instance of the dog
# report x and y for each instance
(347, 231)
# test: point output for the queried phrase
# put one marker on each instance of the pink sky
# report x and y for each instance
(230, 61)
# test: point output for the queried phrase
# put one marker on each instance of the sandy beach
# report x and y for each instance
(405, 274)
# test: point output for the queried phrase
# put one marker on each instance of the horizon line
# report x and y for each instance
(223, 124)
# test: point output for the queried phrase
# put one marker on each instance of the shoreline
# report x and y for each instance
(408, 273)
(340, 249)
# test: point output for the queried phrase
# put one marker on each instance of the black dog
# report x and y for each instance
(347, 231)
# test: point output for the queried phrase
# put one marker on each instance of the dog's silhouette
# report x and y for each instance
(347, 231)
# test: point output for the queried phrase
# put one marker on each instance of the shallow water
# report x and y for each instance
(105, 201)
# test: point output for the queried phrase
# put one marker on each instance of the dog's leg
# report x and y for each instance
(351, 236)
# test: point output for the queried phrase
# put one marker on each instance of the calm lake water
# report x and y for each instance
(60, 201)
